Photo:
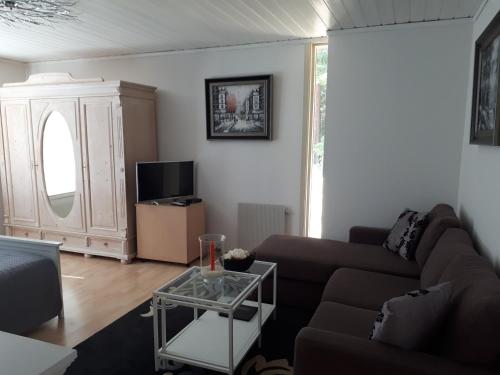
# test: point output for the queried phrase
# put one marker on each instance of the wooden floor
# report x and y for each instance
(97, 291)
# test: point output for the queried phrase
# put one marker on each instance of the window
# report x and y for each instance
(315, 140)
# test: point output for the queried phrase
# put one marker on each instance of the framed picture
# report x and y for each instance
(239, 107)
(485, 122)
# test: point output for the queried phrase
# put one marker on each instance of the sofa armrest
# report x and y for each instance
(368, 235)
(324, 352)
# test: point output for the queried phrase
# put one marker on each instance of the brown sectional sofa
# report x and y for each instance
(347, 284)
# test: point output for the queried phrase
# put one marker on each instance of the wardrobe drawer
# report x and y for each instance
(109, 245)
(68, 241)
(26, 233)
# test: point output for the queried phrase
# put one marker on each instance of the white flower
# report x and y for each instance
(236, 254)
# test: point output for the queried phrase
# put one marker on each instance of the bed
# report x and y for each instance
(30, 283)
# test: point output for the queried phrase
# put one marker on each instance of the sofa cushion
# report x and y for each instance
(314, 260)
(410, 321)
(465, 269)
(453, 242)
(348, 320)
(376, 259)
(295, 293)
(368, 235)
(440, 218)
(405, 234)
(299, 258)
(471, 332)
(365, 289)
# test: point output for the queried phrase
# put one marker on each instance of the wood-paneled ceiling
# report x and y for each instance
(116, 27)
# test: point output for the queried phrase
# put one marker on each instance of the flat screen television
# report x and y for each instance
(164, 180)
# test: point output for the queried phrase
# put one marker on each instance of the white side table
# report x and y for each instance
(211, 341)
(24, 356)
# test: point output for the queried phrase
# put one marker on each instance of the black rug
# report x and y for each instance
(125, 347)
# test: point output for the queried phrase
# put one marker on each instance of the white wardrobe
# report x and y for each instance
(68, 149)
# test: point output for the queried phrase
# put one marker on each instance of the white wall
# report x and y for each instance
(10, 71)
(228, 171)
(479, 193)
(394, 123)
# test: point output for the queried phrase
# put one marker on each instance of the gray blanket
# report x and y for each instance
(29, 291)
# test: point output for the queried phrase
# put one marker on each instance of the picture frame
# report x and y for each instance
(239, 107)
(485, 115)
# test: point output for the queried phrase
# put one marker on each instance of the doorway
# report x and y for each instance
(316, 139)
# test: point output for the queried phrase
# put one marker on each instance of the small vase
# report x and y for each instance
(211, 255)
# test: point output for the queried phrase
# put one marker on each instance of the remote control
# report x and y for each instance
(180, 203)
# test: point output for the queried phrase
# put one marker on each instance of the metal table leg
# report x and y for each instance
(259, 311)
(155, 333)
(230, 329)
(163, 326)
(275, 286)
(195, 309)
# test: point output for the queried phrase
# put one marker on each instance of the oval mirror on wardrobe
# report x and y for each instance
(58, 164)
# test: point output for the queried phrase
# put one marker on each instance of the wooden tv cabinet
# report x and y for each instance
(169, 233)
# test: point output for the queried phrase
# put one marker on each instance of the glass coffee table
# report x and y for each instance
(212, 341)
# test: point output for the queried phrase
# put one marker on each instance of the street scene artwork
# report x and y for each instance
(488, 86)
(239, 108)
(485, 105)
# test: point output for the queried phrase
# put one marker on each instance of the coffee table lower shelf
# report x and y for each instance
(204, 342)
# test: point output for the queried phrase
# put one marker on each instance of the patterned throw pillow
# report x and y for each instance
(406, 233)
(410, 321)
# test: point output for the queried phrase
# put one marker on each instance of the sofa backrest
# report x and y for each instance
(472, 330)
(441, 217)
(453, 242)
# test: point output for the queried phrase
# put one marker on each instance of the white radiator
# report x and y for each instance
(256, 222)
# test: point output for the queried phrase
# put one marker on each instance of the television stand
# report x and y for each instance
(169, 233)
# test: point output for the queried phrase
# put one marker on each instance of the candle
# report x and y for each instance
(212, 255)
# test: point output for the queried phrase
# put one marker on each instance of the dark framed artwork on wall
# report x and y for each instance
(239, 107)
(485, 120)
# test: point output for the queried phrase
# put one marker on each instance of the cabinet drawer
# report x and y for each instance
(108, 245)
(68, 241)
(26, 233)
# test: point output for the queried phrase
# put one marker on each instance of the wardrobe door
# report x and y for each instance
(56, 133)
(3, 180)
(101, 162)
(19, 163)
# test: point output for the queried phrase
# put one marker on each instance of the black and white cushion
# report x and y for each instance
(410, 321)
(405, 234)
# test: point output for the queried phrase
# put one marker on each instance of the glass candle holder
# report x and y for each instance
(212, 255)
